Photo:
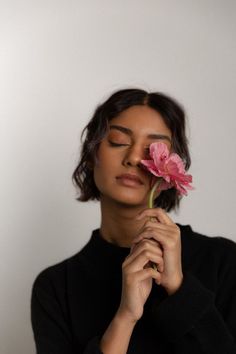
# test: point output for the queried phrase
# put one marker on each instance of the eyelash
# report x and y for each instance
(118, 145)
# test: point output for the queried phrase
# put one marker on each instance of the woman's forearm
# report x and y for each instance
(117, 336)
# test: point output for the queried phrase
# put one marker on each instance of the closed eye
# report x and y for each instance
(117, 144)
(146, 149)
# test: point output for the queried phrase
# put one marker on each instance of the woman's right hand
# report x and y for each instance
(137, 275)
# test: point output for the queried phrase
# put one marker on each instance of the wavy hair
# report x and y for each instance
(172, 114)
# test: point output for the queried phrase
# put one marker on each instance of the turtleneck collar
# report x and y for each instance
(107, 247)
(106, 254)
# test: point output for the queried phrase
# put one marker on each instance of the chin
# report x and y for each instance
(126, 198)
(130, 202)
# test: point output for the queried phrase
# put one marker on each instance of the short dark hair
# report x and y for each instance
(174, 117)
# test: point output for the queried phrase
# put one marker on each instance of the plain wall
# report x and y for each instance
(58, 60)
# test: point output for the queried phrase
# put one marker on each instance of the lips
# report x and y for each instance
(130, 177)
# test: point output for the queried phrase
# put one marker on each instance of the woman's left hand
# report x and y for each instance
(162, 229)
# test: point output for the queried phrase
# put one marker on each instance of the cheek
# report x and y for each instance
(98, 177)
(105, 158)
(102, 172)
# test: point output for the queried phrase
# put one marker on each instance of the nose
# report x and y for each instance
(133, 156)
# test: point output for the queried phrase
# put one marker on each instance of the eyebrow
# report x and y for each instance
(130, 133)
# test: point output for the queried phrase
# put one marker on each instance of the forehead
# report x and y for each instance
(142, 121)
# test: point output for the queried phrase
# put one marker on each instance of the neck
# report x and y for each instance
(119, 225)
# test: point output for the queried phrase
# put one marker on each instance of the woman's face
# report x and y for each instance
(118, 174)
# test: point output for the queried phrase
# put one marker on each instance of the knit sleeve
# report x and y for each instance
(50, 325)
(190, 320)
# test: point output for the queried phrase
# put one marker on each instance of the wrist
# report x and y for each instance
(117, 336)
(174, 286)
(125, 317)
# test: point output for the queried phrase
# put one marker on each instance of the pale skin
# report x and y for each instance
(126, 221)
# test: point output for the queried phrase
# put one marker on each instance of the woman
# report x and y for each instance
(109, 298)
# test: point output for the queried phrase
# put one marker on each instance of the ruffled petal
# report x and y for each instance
(170, 167)
(159, 153)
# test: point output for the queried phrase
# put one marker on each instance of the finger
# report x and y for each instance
(159, 236)
(147, 252)
(146, 274)
(164, 217)
(158, 267)
(157, 213)
(158, 227)
(155, 230)
(157, 250)
(167, 241)
(145, 244)
(151, 228)
(140, 260)
(149, 241)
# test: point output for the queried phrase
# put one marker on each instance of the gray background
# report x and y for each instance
(58, 60)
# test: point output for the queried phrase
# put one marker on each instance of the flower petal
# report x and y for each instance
(170, 167)
(159, 152)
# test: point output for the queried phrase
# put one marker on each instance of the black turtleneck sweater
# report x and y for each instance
(74, 301)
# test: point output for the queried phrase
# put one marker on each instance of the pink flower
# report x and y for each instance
(169, 167)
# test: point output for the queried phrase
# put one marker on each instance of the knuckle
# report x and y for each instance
(176, 229)
(149, 224)
(146, 244)
(172, 244)
(146, 253)
(159, 210)
(148, 228)
(123, 265)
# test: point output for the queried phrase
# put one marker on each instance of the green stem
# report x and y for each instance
(150, 199)
(150, 205)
